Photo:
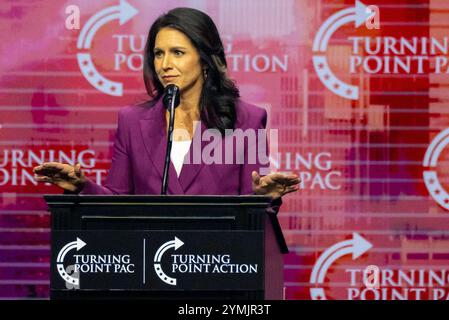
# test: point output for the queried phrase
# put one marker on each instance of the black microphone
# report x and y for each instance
(171, 101)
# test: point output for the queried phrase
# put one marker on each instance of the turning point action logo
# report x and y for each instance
(123, 12)
(158, 257)
(436, 190)
(193, 263)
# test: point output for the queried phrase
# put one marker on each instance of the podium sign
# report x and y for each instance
(165, 247)
(157, 260)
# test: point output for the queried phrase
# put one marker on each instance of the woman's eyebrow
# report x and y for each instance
(171, 48)
(178, 48)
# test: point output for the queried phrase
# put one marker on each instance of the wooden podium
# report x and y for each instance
(165, 247)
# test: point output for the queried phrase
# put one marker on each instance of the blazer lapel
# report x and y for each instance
(153, 128)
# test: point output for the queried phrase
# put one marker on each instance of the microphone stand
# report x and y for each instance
(171, 101)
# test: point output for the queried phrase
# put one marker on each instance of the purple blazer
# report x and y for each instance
(139, 151)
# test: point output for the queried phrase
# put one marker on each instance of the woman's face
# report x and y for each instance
(177, 61)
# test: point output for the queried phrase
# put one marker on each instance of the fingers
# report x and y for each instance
(279, 182)
(286, 183)
(38, 169)
(283, 177)
(289, 183)
(53, 168)
(275, 176)
(39, 178)
(291, 189)
(256, 178)
(75, 173)
(54, 172)
(78, 172)
(48, 168)
(275, 184)
(286, 180)
(53, 165)
(65, 176)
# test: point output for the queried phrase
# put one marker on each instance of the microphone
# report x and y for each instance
(170, 100)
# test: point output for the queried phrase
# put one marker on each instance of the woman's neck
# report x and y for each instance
(186, 115)
(188, 111)
(190, 99)
(189, 107)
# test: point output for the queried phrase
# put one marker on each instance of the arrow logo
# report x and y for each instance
(430, 174)
(356, 246)
(176, 244)
(358, 14)
(78, 245)
(123, 12)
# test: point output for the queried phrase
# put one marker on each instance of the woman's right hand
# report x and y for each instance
(65, 176)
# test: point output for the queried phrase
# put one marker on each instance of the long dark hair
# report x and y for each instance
(219, 94)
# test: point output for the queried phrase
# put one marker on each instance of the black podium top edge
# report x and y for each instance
(240, 200)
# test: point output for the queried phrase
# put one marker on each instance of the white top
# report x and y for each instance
(178, 151)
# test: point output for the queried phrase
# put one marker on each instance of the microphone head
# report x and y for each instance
(171, 95)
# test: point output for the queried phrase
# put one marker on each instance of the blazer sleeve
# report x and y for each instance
(119, 179)
(260, 149)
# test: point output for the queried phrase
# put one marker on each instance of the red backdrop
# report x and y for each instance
(360, 109)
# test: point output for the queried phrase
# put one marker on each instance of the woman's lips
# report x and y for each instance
(168, 77)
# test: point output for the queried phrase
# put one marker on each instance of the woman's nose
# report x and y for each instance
(166, 62)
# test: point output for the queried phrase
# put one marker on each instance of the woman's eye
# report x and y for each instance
(179, 53)
(158, 54)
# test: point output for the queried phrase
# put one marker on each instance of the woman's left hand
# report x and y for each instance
(275, 185)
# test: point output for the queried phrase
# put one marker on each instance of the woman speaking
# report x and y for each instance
(183, 49)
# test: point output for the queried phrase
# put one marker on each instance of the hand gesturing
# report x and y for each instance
(275, 185)
(65, 176)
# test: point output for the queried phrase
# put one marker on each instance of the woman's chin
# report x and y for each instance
(166, 82)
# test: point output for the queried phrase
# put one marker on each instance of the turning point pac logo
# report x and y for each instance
(63, 272)
(123, 12)
(356, 246)
(357, 14)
